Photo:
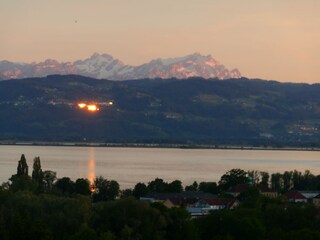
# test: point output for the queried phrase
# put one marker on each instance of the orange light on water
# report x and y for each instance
(91, 169)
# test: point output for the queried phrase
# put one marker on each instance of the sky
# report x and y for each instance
(273, 40)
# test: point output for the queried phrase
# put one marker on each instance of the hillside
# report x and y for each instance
(194, 111)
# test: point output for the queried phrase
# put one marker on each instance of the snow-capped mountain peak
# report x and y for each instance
(105, 66)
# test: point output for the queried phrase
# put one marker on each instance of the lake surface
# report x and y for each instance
(131, 165)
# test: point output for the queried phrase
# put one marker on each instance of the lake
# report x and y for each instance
(131, 165)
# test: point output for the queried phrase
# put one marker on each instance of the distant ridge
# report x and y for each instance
(105, 66)
(232, 112)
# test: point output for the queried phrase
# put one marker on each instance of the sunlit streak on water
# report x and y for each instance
(91, 166)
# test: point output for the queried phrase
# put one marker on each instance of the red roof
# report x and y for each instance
(294, 195)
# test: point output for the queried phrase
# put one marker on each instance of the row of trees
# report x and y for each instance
(25, 215)
(41, 206)
(46, 182)
(285, 181)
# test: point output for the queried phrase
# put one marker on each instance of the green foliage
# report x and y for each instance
(29, 216)
(179, 225)
(105, 189)
(82, 186)
(264, 179)
(22, 169)
(175, 186)
(228, 224)
(25, 213)
(65, 185)
(233, 178)
(49, 177)
(283, 182)
(129, 218)
(37, 174)
(22, 181)
(250, 197)
(193, 187)
(126, 193)
(209, 187)
(159, 185)
(140, 189)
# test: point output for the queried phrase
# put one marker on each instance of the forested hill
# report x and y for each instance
(192, 111)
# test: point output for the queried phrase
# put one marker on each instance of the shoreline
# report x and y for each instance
(154, 145)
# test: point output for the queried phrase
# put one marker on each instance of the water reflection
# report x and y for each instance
(91, 166)
(129, 166)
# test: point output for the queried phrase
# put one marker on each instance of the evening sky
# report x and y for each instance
(274, 39)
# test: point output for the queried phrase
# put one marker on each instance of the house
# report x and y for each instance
(204, 206)
(183, 199)
(309, 194)
(237, 189)
(197, 203)
(217, 203)
(295, 197)
(316, 200)
(267, 192)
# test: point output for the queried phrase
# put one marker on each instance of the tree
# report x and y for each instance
(232, 178)
(276, 181)
(22, 169)
(49, 177)
(309, 180)
(128, 192)
(264, 179)
(209, 187)
(113, 189)
(105, 190)
(157, 185)
(140, 189)
(287, 180)
(193, 187)
(21, 180)
(65, 185)
(175, 186)
(297, 179)
(37, 174)
(254, 177)
(82, 186)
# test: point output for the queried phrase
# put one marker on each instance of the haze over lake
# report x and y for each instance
(129, 166)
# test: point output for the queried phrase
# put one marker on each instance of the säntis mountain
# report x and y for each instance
(104, 66)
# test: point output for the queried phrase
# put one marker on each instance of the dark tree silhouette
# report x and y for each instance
(37, 174)
(232, 178)
(22, 169)
(105, 190)
(140, 189)
(82, 186)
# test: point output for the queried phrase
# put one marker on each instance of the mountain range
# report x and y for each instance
(105, 66)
